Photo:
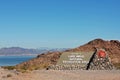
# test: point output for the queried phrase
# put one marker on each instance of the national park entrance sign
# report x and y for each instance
(73, 60)
(98, 60)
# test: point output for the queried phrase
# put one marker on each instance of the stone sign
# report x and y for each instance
(75, 58)
(98, 60)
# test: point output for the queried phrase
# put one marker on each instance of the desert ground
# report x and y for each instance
(60, 75)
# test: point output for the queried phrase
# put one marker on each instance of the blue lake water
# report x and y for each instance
(13, 60)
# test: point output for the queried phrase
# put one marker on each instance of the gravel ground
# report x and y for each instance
(60, 75)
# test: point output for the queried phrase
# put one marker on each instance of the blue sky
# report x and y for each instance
(57, 23)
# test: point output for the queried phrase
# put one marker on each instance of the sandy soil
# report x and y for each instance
(60, 75)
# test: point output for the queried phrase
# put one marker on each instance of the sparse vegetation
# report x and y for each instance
(9, 67)
(117, 65)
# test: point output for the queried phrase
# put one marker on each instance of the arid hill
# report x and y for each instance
(44, 60)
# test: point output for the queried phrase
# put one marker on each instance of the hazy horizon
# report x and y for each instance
(57, 24)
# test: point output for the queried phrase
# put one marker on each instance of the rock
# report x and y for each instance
(100, 63)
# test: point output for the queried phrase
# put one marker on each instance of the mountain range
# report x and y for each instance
(25, 51)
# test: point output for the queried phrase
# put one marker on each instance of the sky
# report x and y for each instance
(57, 23)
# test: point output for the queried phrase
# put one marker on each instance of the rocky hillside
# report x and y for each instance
(112, 47)
(44, 60)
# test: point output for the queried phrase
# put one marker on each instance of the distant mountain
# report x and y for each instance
(24, 51)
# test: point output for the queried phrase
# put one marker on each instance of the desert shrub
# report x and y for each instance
(24, 68)
(117, 65)
(9, 75)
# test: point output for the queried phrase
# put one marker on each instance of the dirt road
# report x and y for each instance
(66, 75)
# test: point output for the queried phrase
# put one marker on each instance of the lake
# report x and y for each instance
(13, 60)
